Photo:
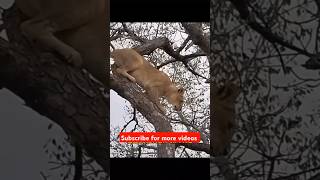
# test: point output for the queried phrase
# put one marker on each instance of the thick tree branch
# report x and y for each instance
(133, 35)
(133, 94)
(148, 109)
(164, 44)
(196, 146)
(196, 34)
(64, 94)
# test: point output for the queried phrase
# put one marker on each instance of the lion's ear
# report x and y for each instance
(180, 90)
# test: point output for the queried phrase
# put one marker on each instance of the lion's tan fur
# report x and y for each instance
(76, 29)
(223, 110)
(136, 68)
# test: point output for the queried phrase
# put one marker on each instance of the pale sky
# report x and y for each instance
(23, 132)
(117, 109)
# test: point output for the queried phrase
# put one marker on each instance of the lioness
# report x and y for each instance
(157, 84)
(76, 29)
(223, 119)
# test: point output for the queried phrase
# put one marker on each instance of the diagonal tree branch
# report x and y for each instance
(164, 44)
(64, 94)
(133, 94)
(196, 146)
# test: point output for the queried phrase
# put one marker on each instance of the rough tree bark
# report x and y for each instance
(64, 94)
(198, 37)
(139, 100)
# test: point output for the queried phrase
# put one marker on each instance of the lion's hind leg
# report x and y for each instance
(125, 73)
(42, 30)
(124, 66)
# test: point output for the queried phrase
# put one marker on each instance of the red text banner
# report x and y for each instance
(160, 137)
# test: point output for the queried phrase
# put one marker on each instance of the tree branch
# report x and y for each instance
(131, 92)
(164, 44)
(196, 146)
(196, 34)
(56, 90)
(243, 9)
